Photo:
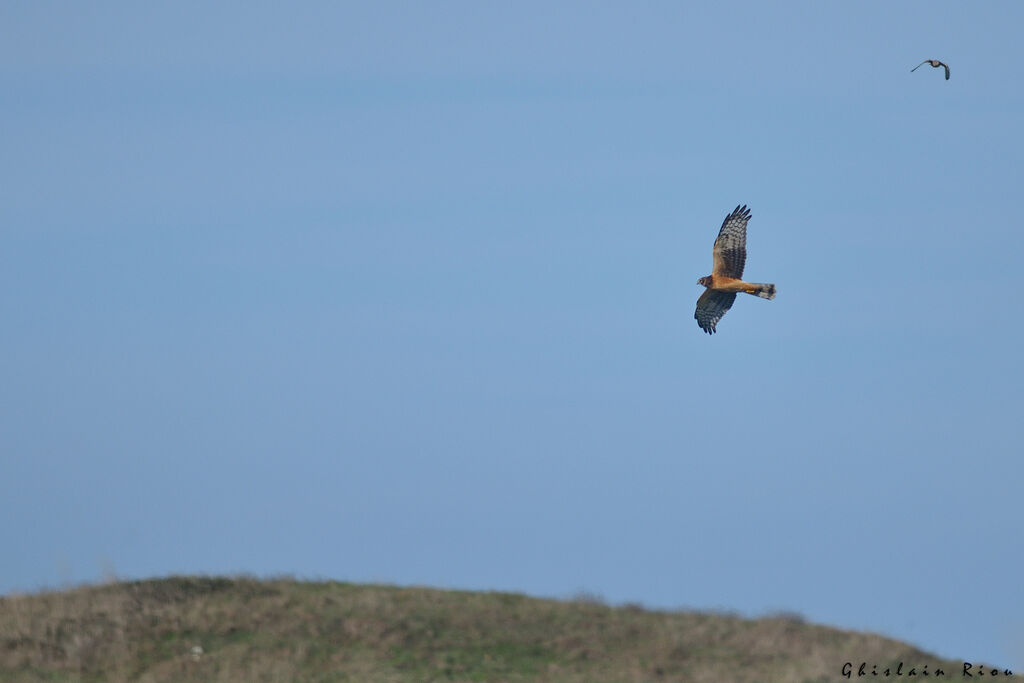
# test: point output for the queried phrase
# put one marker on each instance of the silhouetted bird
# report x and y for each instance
(934, 62)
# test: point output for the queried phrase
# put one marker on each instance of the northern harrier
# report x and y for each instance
(730, 255)
(935, 63)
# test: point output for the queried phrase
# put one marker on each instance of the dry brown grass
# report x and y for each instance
(284, 630)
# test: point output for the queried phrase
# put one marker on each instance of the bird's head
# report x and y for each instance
(706, 281)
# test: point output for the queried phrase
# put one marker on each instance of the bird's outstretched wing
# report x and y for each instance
(920, 65)
(730, 252)
(947, 70)
(711, 306)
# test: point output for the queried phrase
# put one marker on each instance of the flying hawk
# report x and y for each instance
(935, 63)
(730, 255)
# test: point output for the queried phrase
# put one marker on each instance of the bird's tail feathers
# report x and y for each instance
(764, 291)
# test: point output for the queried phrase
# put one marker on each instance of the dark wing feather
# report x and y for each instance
(711, 306)
(947, 72)
(730, 252)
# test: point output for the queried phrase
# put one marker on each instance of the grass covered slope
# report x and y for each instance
(220, 629)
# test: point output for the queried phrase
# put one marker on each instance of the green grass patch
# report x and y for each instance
(183, 629)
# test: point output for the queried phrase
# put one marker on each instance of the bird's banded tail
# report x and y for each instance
(763, 291)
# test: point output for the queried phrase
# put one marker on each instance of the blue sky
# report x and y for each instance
(389, 292)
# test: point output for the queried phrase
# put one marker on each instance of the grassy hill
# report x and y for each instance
(236, 629)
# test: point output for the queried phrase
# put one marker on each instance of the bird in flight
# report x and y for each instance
(935, 63)
(729, 255)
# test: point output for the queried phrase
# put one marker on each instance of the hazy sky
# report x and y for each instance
(404, 292)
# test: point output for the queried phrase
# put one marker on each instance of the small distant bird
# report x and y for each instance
(935, 63)
(724, 283)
